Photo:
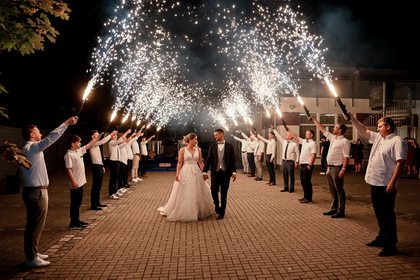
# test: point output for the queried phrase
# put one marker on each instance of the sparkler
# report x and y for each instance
(283, 122)
(113, 115)
(337, 98)
(300, 100)
(144, 53)
(86, 93)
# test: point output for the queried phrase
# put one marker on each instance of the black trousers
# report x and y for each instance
(384, 205)
(306, 180)
(219, 183)
(251, 163)
(113, 176)
(97, 176)
(324, 164)
(123, 175)
(270, 168)
(76, 197)
(143, 160)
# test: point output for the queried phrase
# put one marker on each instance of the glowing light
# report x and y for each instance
(125, 118)
(89, 88)
(138, 122)
(330, 86)
(279, 112)
(300, 100)
(114, 114)
(267, 113)
(148, 126)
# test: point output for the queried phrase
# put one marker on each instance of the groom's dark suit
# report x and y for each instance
(220, 174)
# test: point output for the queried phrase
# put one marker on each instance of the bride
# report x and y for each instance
(190, 198)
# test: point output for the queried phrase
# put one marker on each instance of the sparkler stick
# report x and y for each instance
(338, 99)
(282, 120)
(300, 100)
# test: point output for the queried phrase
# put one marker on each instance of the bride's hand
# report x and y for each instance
(177, 178)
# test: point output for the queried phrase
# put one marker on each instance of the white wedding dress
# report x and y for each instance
(190, 198)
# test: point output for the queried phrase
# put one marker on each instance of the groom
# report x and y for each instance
(222, 160)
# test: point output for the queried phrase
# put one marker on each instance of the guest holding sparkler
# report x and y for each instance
(114, 163)
(250, 152)
(244, 156)
(144, 155)
(385, 165)
(306, 160)
(258, 158)
(98, 169)
(76, 172)
(290, 160)
(337, 161)
(136, 158)
(35, 191)
(270, 156)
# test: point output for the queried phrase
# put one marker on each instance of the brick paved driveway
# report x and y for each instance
(266, 234)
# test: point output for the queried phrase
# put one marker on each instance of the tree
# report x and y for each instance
(25, 25)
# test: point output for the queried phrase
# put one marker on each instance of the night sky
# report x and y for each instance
(45, 88)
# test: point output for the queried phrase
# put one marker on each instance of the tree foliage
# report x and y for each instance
(25, 25)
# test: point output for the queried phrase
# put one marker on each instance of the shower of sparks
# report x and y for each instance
(145, 58)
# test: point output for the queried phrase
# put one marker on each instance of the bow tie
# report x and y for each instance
(221, 143)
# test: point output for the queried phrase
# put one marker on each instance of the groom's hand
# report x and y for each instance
(205, 176)
(233, 177)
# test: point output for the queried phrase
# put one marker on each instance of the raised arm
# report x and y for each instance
(245, 136)
(318, 124)
(237, 138)
(150, 138)
(259, 136)
(360, 127)
(277, 134)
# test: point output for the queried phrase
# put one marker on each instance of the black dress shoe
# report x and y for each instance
(305, 200)
(284, 190)
(220, 217)
(388, 251)
(338, 215)
(300, 199)
(291, 191)
(217, 211)
(329, 213)
(95, 208)
(102, 205)
(376, 243)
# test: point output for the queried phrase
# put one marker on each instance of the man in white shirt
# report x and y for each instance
(244, 156)
(144, 154)
(337, 161)
(135, 148)
(386, 163)
(250, 153)
(290, 160)
(35, 193)
(98, 169)
(270, 156)
(258, 158)
(114, 162)
(75, 167)
(306, 160)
